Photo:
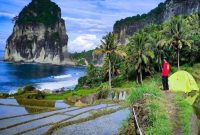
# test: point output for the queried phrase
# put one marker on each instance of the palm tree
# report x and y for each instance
(109, 47)
(142, 54)
(176, 29)
(156, 40)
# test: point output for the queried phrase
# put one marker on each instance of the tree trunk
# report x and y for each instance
(137, 80)
(141, 81)
(178, 59)
(110, 73)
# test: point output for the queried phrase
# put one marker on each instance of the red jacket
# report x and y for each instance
(165, 69)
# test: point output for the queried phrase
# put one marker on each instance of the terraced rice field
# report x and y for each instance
(14, 119)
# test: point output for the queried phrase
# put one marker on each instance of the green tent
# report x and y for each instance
(182, 81)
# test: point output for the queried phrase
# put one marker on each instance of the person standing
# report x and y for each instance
(165, 74)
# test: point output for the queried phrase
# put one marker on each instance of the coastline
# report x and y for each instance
(56, 78)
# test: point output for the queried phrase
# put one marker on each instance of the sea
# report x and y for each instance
(42, 76)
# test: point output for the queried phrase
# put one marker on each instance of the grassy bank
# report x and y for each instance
(185, 111)
(157, 107)
(78, 92)
(153, 106)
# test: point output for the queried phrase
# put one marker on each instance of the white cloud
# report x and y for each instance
(6, 14)
(86, 20)
(83, 42)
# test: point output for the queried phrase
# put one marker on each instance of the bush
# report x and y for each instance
(29, 88)
(117, 81)
(4, 95)
(34, 102)
(38, 95)
(19, 91)
(138, 93)
(47, 13)
(102, 94)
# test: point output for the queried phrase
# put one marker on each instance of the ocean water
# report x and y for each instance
(15, 75)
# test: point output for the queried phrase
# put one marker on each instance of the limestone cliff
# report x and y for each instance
(86, 57)
(126, 27)
(39, 35)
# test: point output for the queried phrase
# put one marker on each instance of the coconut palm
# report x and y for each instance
(109, 47)
(176, 29)
(141, 54)
(156, 40)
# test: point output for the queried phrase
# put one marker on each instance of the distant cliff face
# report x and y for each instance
(87, 57)
(126, 27)
(39, 35)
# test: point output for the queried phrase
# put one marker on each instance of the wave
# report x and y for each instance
(57, 85)
(63, 76)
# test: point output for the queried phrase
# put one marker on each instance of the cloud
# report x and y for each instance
(86, 20)
(87, 23)
(83, 42)
(6, 14)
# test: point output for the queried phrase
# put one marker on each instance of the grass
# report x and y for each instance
(35, 102)
(158, 120)
(36, 109)
(78, 93)
(139, 92)
(184, 114)
(128, 84)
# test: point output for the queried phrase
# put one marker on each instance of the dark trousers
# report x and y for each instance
(165, 82)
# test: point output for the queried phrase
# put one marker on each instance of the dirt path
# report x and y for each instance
(173, 112)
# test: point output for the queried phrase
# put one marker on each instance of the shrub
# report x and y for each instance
(34, 102)
(20, 91)
(102, 94)
(38, 95)
(28, 88)
(4, 95)
(138, 93)
(117, 81)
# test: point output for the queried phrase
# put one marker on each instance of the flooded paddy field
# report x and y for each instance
(16, 119)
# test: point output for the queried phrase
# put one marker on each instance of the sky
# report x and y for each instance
(86, 20)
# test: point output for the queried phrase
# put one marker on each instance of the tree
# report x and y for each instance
(178, 37)
(141, 54)
(193, 23)
(158, 49)
(109, 47)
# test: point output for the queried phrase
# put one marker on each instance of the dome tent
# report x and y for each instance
(182, 81)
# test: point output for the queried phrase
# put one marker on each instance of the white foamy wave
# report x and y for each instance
(63, 76)
(57, 85)
(12, 92)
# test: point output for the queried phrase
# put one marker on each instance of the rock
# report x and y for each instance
(39, 35)
(80, 104)
(121, 95)
(116, 97)
(89, 99)
(124, 96)
(125, 28)
(110, 95)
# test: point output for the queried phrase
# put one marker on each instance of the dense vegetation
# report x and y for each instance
(39, 11)
(78, 57)
(177, 39)
(130, 20)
